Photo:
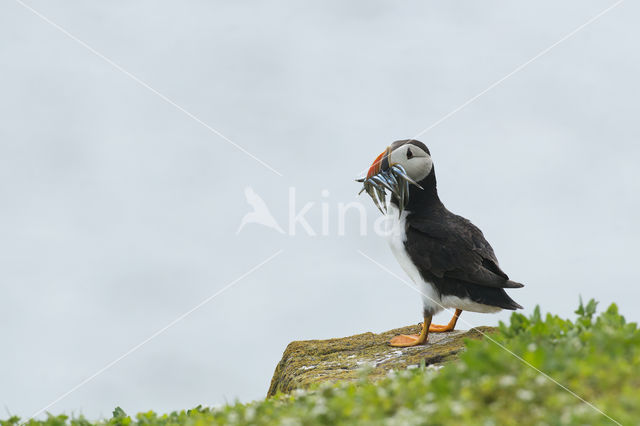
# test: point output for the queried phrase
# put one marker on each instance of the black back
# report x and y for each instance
(451, 252)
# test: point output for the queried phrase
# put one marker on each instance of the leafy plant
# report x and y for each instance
(535, 370)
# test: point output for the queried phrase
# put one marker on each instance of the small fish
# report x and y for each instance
(396, 180)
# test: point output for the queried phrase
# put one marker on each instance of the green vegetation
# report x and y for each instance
(598, 358)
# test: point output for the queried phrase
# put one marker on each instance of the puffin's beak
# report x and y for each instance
(379, 164)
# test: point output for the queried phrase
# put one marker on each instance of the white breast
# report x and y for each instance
(397, 236)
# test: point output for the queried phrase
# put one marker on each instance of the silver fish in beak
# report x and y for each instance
(382, 177)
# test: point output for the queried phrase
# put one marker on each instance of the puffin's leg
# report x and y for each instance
(405, 340)
(449, 327)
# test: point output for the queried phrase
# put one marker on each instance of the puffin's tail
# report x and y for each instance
(510, 303)
(492, 296)
(513, 284)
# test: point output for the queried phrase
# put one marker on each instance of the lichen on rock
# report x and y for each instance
(308, 362)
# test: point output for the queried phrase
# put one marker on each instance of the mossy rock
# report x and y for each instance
(307, 362)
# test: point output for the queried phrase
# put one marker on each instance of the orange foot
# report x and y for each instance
(436, 328)
(408, 340)
(449, 327)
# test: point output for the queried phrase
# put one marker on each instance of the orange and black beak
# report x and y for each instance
(381, 163)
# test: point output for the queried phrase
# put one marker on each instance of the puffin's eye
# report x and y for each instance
(409, 153)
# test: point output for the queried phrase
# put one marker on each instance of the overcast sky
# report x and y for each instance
(119, 211)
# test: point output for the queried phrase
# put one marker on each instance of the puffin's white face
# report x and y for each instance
(402, 164)
(415, 161)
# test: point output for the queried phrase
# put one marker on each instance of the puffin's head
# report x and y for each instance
(412, 155)
(404, 162)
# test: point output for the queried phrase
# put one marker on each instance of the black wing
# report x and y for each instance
(452, 247)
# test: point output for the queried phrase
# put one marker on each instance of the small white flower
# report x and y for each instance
(457, 407)
(507, 381)
(581, 409)
(525, 394)
(288, 421)
(299, 392)
(430, 408)
(232, 417)
(405, 374)
(319, 408)
(250, 413)
(540, 380)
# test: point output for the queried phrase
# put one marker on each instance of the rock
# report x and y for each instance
(314, 361)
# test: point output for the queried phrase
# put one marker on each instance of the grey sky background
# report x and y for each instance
(119, 213)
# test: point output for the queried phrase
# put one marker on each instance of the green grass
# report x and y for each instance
(597, 357)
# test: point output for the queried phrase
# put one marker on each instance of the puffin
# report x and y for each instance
(445, 255)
